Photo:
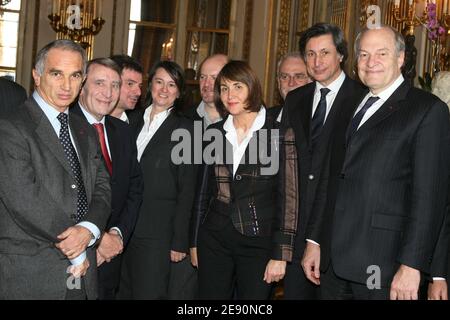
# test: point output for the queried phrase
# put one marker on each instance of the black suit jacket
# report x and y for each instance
(297, 113)
(126, 181)
(12, 95)
(387, 190)
(169, 188)
(259, 203)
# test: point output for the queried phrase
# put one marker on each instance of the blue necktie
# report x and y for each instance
(71, 154)
(319, 116)
(354, 124)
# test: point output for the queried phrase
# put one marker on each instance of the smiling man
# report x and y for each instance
(99, 95)
(131, 89)
(386, 199)
(313, 111)
(55, 193)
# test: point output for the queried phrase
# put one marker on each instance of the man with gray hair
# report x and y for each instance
(99, 96)
(291, 74)
(387, 186)
(54, 188)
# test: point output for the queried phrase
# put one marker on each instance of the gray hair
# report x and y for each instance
(69, 45)
(106, 62)
(294, 54)
(398, 39)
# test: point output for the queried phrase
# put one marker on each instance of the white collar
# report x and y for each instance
(386, 93)
(334, 86)
(258, 123)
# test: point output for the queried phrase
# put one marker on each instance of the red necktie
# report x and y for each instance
(101, 137)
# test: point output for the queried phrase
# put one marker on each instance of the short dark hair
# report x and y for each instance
(239, 71)
(177, 74)
(127, 62)
(320, 29)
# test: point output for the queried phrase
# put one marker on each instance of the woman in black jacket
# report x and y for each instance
(161, 236)
(247, 198)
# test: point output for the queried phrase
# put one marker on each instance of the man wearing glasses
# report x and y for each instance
(291, 74)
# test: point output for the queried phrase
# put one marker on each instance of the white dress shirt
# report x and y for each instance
(231, 135)
(331, 96)
(52, 115)
(124, 117)
(201, 111)
(383, 95)
(92, 121)
(149, 129)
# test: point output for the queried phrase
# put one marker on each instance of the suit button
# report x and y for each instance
(74, 186)
(238, 177)
(311, 177)
(73, 216)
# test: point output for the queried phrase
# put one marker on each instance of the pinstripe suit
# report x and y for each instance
(387, 193)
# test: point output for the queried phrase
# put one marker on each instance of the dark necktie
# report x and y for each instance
(319, 116)
(354, 124)
(101, 138)
(71, 154)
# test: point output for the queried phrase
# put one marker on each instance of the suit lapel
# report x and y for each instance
(47, 134)
(164, 131)
(389, 107)
(306, 112)
(111, 131)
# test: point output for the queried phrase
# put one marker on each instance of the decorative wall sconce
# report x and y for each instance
(4, 2)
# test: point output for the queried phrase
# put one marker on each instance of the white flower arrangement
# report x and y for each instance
(440, 86)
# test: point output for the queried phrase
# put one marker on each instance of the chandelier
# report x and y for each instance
(77, 20)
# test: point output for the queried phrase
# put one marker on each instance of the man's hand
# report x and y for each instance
(275, 271)
(405, 285)
(311, 262)
(74, 241)
(176, 256)
(110, 246)
(437, 290)
(100, 258)
(80, 270)
(194, 259)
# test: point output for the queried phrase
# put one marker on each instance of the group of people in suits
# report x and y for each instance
(94, 207)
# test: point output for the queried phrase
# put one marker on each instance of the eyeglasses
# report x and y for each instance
(297, 77)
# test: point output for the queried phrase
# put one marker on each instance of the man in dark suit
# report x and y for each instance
(12, 95)
(313, 111)
(98, 97)
(131, 89)
(54, 188)
(386, 196)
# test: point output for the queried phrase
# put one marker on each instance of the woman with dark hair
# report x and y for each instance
(245, 204)
(161, 237)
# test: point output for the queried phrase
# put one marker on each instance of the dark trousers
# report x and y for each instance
(183, 282)
(296, 285)
(108, 279)
(77, 293)
(228, 259)
(145, 270)
(333, 287)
